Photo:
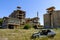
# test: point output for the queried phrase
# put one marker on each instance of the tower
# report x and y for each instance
(37, 13)
(49, 18)
(50, 12)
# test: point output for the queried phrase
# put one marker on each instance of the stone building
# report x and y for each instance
(19, 14)
(52, 18)
(17, 19)
(33, 21)
(10, 23)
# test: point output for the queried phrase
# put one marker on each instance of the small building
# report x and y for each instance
(11, 23)
(33, 21)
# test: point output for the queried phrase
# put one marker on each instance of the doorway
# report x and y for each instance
(11, 26)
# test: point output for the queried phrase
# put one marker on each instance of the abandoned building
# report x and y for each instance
(52, 18)
(17, 19)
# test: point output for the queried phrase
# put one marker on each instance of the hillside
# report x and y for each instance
(21, 34)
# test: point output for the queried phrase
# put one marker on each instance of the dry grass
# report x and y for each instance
(21, 34)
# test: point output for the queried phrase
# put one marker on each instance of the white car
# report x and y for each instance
(44, 33)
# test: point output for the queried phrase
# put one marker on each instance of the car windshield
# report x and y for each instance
(45, 32)
(48, 30)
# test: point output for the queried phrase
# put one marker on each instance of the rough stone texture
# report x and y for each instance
(52, 19)
(17, 18)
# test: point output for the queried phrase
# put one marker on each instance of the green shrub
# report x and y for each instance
(27, 26)
(1, 20)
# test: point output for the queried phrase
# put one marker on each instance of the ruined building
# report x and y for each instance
(52, 18)
(17, 19)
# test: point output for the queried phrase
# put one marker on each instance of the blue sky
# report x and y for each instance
(30, 6)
